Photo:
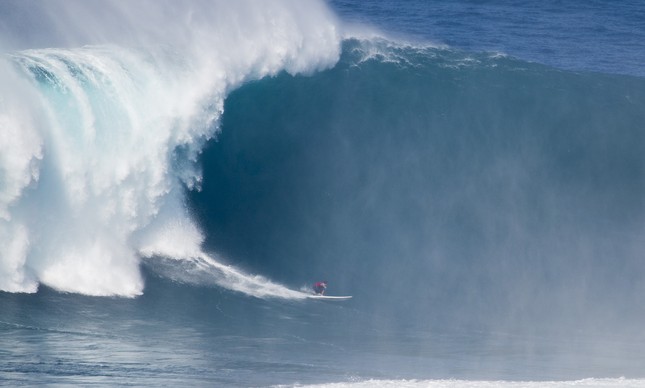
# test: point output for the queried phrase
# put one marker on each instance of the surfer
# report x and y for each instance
(320, 287)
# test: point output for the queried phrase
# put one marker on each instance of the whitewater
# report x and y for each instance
(100, 140)
(586, 383)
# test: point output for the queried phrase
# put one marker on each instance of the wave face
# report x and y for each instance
(438, 184)
(100, 134)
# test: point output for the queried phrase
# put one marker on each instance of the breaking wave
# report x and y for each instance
(100, 134)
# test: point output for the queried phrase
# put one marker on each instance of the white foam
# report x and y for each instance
(208, 270)
(584, 383)
(97, 142)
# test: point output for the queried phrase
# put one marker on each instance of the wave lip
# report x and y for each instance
(103, 139)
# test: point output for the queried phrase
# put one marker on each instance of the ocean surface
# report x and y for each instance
(174, 176)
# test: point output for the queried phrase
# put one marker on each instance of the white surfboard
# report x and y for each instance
(328, 297)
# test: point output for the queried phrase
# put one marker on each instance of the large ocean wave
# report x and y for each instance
(474, 184)
(101, 133)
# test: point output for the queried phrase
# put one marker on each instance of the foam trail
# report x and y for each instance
(584, 383)
(98, 142)
(172, 250)
(206, 270)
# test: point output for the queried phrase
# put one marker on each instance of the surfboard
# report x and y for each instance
(328, 297)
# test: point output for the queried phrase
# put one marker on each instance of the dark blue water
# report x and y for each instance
(481, 197)
(594, 35)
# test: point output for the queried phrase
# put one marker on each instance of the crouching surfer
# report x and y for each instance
(320, 287)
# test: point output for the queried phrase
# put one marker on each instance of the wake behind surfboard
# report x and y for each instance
(325, 297)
